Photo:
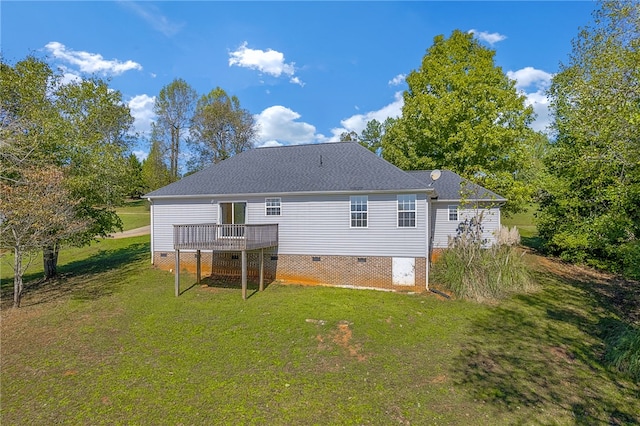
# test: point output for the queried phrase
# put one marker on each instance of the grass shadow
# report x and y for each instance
(544, 351)
(534, 243)
(84, 279)
(219, 282)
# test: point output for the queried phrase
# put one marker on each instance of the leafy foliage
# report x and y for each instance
(36, 211)
(462, 113)
(155, 173)
(590, 209)
(371, 136)
(81, 128)
(220, 128)
(174, 107)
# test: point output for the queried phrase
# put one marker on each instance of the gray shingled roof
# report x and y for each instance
(330, 167)
(449, 184)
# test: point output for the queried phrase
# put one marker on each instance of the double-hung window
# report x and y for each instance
(359, 211)
(272, 206)
(453, 213)
(407, 211)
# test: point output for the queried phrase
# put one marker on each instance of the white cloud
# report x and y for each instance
(154, 17)
(90, 62)
(528, 76)
(277, 124)
(357, 123)
(269, 144)
(142, 155)
(69, 77)
(490, 38)
(265, 61)
(141, 107)
(533, 84)
(397, 80)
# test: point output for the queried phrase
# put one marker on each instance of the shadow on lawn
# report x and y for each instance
(86, 279)
(219, 282)
(545, 350)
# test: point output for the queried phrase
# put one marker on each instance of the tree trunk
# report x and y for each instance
(50, 260)
(18, 284)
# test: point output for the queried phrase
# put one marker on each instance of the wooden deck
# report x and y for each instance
(210, 236)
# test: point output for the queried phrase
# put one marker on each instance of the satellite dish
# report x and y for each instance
(435, 174)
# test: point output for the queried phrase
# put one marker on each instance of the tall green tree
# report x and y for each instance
(80, 127)
(220, 129)
(155, 173)
(462, 113)
(134, 181)
(590, 211)
(174, 107)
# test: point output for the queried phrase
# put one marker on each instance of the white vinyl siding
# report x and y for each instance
(358, 211)
(442, 227)
(166, 213)
(313, 225)
(320, 225)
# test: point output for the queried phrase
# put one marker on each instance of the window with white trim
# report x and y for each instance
(407, 211)
(359, 211)
(453, 213)
(272, 206)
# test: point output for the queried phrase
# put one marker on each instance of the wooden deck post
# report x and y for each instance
(177, 270)
(244, 274)
(198, 270)
(261, 269)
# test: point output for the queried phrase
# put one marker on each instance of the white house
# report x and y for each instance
(324, 213)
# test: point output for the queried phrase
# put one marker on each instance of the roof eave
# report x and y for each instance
(263, 194)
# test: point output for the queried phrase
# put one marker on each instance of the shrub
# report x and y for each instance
(472, 270)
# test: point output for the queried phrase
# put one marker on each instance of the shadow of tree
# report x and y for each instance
(85, 279)
(545, 350)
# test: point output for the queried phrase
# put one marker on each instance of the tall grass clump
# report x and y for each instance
(623, 349)
(472, 269)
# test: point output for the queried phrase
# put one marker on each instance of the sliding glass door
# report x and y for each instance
(233, 214)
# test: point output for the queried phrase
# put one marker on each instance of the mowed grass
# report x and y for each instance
(525, 222)
(110, 344)
(134, 214)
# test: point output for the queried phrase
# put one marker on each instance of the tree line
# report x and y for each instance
(66, 156)
(213, 126)
(462, 113)
(66, 160)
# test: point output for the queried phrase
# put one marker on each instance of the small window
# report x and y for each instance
(359, 211)
(407, 211)
(272, 206)
(453, 213)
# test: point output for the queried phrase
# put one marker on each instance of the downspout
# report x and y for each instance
(428, 256)
(151, 214)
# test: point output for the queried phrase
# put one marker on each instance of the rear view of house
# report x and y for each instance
(321, 214)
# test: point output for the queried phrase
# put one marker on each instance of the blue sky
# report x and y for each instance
(308, 71)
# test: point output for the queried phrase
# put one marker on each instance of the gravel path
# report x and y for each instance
(145, 230)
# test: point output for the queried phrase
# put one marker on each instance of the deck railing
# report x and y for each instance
(210, 236)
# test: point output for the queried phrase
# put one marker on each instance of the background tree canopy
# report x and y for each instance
(77, 134)
(462, 113)
(590, 206)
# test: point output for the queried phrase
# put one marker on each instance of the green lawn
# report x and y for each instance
(525, 222)
(134, 214)
(110, 344)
